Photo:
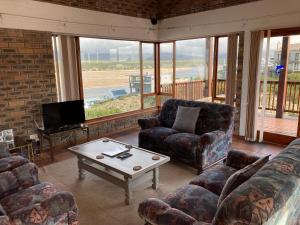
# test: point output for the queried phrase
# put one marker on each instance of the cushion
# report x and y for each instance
(24, 198)
(157, 135)
(186, 119)
(183, 144)
(239, 160)
(214, 178)
(4, 151)
(195, 201)
(241, 176)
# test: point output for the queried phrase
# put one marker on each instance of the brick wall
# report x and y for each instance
(27, 78)
(146, 8)
(136, 8)
(171, 8)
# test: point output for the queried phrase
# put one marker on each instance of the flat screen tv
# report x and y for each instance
(62, 114)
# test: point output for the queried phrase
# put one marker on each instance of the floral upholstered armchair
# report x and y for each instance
(210, 142)
(26, 201)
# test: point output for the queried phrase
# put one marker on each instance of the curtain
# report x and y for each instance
(67, 68)
(231, 69)
(253, 85)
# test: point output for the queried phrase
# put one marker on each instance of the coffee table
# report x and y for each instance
(141, 167)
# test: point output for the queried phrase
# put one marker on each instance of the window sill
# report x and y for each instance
(120, 116)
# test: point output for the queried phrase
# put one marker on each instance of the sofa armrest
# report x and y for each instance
(27, 175)
(149, 122)
(52, 209)
(239, 160)
(212, 137)
(9, 163)
(158, 212)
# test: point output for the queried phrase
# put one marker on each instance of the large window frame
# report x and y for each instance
(158, 94)
(142, 94)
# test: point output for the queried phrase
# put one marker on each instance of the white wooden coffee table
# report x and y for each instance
(117, 171)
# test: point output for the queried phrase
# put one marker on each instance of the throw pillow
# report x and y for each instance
(241, 176)
(186, 119)
(4, 152)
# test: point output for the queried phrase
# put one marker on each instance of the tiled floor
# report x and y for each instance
(101, 202)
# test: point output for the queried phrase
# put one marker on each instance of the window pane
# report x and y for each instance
(166, 67)
(149, 101)
(222, 67)
(148, 67)
(191, 69)
(107, 68)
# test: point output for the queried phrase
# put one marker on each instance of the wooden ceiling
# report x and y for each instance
(146, 8)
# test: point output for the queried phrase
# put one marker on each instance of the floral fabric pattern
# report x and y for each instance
(27, 201)
(211, 142)
(239, 160)
(271, 196)
(9, 163)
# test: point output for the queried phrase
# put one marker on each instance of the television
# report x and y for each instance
(63, 114)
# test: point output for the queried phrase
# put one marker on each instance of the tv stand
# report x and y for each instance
(48, 135)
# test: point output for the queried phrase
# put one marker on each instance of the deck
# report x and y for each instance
(285, 126)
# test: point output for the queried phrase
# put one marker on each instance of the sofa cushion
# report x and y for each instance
(214, 178)
(24, 198)
(156, 135)
(186, 119)
(195, 201)
(241, 176)
(212, 116)
(183, 144)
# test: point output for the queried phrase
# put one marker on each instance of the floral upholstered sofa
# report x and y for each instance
(210, 143)
(270, 197)
(26, 201)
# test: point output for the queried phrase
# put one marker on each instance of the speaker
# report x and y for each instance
(153, 20)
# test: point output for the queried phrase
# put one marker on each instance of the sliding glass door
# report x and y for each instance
(281, 95)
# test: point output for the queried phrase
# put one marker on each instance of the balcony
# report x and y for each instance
(196, 90)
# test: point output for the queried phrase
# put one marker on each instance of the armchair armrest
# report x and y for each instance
(158, 212)
(27, 175)
(51, 210)
(9, 163)
(149, 122)
(211, 137)
(239, 160)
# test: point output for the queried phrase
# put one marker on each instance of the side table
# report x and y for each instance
(49, 134)
(21, 144)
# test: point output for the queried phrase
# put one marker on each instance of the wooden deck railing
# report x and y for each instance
(194, 90)
(292, 98)
(191, 90)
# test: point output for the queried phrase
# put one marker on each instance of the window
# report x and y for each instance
(191, 69)
(166, 68)
(110, 76)
(221, 44)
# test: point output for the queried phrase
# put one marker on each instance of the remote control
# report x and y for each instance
(124, 156)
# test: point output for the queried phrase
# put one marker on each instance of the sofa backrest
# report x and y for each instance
(270, 197)
(212, 116)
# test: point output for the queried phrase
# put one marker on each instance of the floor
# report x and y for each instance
(285, 126)
(100, 202)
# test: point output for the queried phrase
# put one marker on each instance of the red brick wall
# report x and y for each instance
(146, 8)
(136, 8)
(27, 78)
(171, 8)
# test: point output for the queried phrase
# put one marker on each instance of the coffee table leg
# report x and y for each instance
(128, 191)
(80, 170)
(155, 180)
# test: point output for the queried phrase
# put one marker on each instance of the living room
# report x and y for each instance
(144, 89)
